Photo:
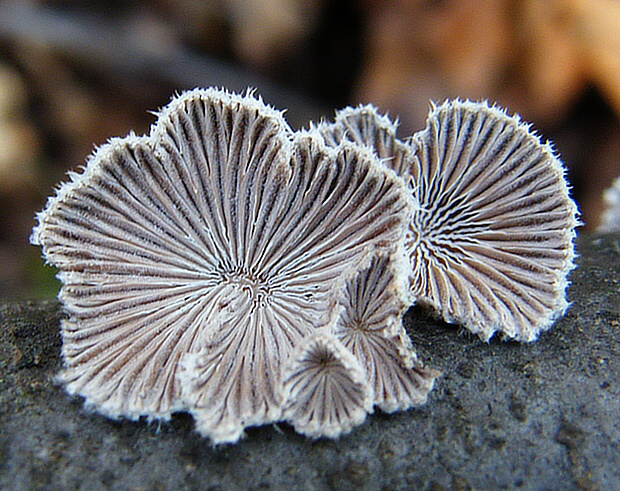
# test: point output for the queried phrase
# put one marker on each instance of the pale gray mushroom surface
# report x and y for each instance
(325, 390)
(370, 326)
(493, 232)
(491, 236)
(362, 359)
(195, 259)
(364, 125)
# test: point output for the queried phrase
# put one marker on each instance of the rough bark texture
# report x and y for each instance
(504, 415)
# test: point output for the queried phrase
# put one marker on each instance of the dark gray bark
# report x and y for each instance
(504, 415)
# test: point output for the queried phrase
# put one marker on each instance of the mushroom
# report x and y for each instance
(491, 240)
(370, 327)
(610, 219)
(364, 126)
(227, 266)
(194, 260)
(491, 236)
(364, 358)
(325, 389)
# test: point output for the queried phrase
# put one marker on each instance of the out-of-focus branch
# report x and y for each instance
(128, 51)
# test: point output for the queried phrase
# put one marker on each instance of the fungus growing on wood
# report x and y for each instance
(370, 327)
(325, 389)
(227, 266)
(213, 244)
(491, 237)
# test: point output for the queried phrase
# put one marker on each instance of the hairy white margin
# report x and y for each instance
(196, 259)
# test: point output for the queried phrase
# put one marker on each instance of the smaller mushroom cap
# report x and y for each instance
(324, 388)
(491, 237)
(370, 327)
(364, 125)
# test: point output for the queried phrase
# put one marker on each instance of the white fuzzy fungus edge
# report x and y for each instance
(114, 252)
(494, 208)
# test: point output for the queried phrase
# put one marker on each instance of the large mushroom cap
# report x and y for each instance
(213, 244)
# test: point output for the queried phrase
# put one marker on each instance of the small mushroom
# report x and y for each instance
(195, 259)
(363, 125)
(610, 219)
(370, 327)
(325, 389)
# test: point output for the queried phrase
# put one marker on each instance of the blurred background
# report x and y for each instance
(75, 73)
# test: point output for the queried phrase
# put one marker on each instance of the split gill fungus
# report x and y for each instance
(230, 267)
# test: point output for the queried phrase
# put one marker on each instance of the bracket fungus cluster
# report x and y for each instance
(228, 266)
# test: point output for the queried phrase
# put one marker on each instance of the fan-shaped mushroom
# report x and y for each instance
(214, 243)
(491, 237)
(325, 389)
(370, 327)
(363, 125)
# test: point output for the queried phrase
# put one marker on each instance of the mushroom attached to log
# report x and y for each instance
(491, 236)
(194, 260)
